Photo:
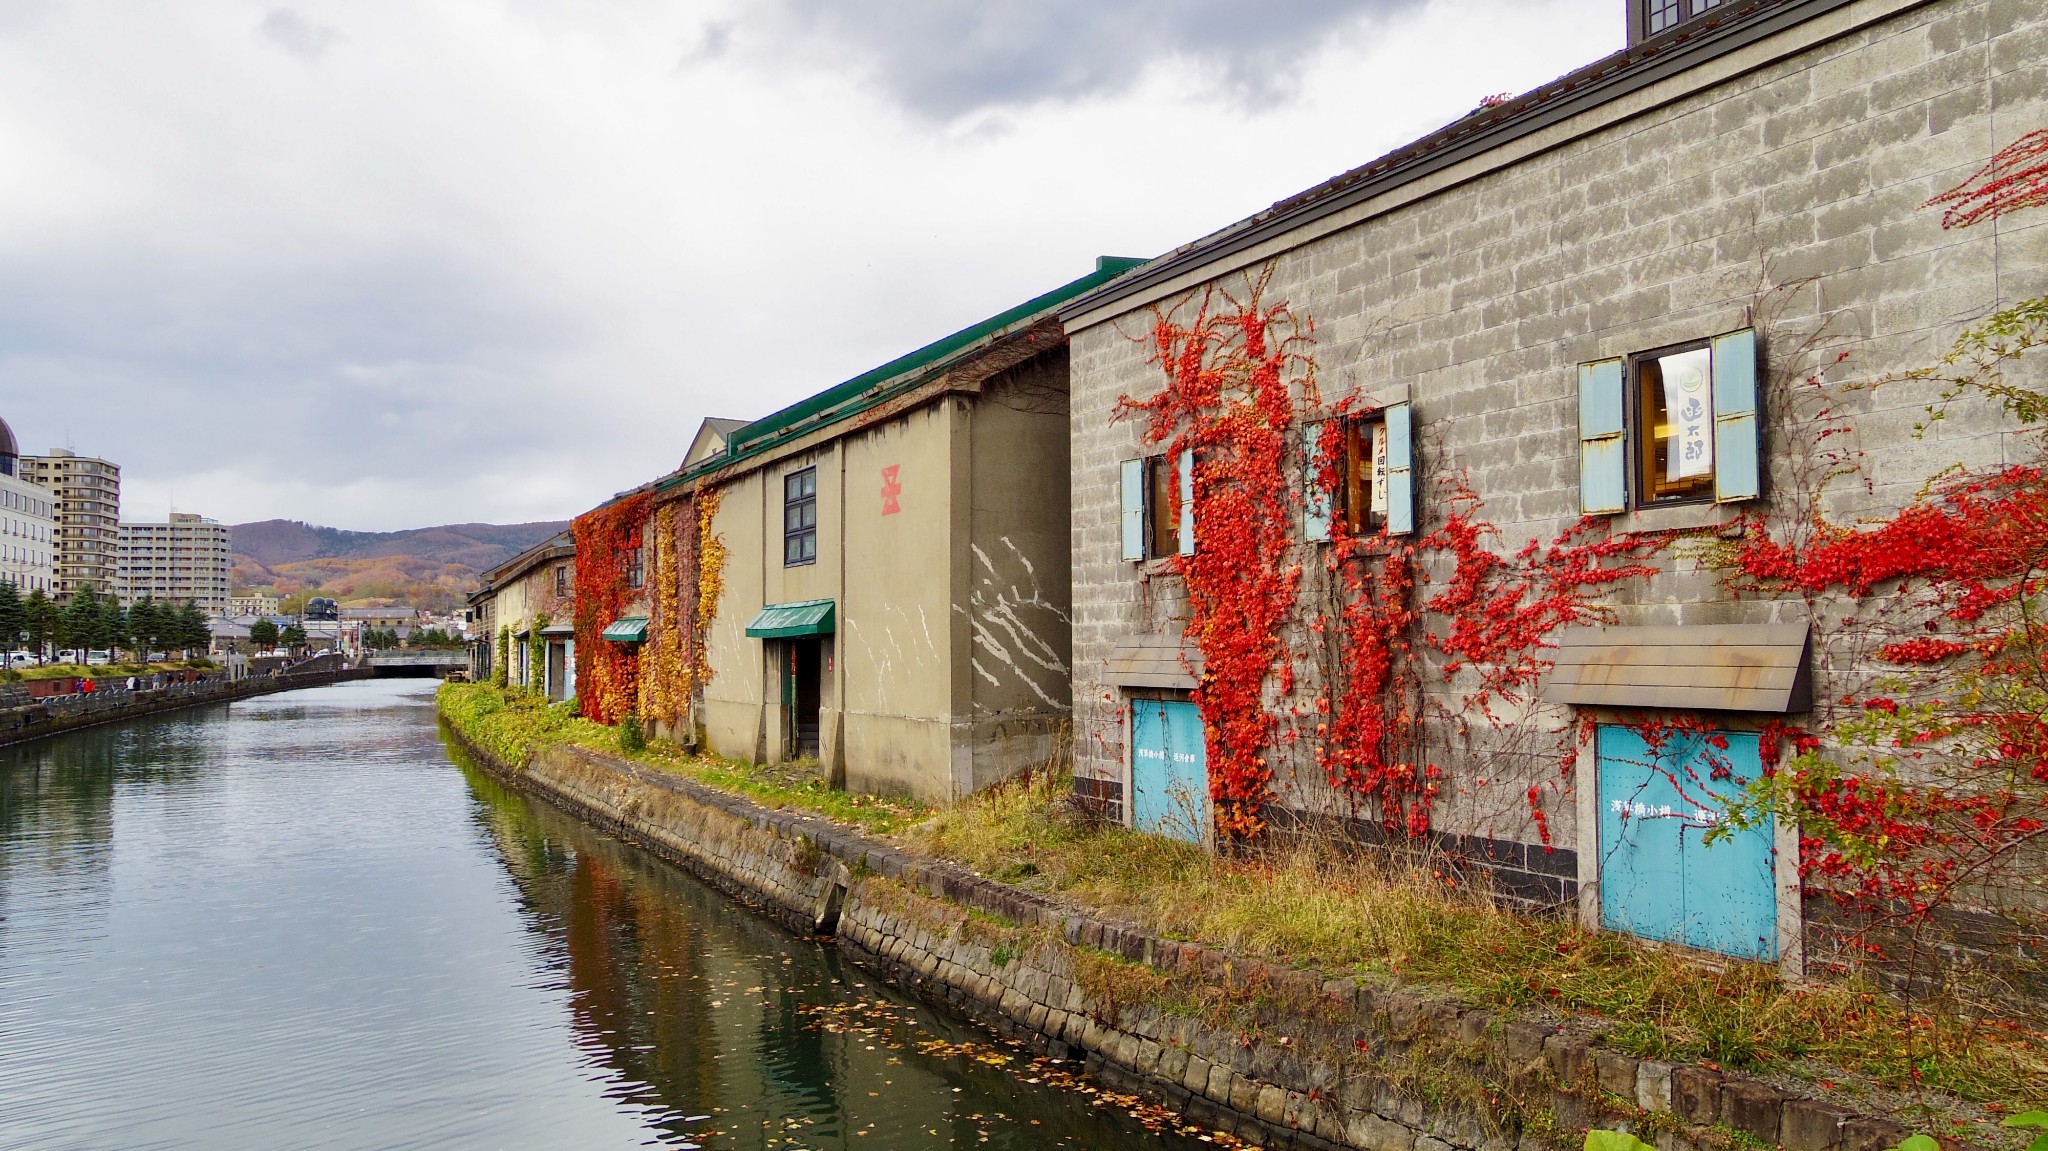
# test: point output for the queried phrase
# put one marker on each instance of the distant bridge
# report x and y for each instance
(417, 661)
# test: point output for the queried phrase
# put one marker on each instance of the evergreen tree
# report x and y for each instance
(263, 634)
(113, 626)
(146, 624)
(81, 626)
(13, 618)
(44, 621)
(292, 636)
(191, 630)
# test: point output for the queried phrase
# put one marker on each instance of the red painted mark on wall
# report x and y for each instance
(890, 490)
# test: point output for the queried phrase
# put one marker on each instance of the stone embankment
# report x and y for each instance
(58, 714)
(1280, 1056)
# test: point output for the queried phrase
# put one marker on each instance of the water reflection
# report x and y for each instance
(696, 1008)
(290, 923)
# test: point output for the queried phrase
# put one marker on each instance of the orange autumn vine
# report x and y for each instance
(607, 673)
(685, 580)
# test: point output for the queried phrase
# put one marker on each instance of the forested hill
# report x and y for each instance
(424, 567)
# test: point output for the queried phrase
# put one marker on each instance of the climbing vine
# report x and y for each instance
(1238, 372)
(710, 581)
(685, 583)
(607, 673)
(501, 675)
(665, 667)
(1922, 788)
(537, 655)
(1228, 401)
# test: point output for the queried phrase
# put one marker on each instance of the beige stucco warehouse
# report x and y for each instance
(1759, 171)
(894, 594)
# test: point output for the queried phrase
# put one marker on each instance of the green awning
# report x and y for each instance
(627, 629)
(783, 620)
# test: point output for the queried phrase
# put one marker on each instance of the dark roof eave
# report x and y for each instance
(1612, 77)
(555, 548)
(861, 405)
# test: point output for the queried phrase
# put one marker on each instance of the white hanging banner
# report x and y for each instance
(1379, 469)
(1689, 403)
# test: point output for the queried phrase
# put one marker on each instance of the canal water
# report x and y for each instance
(295, 922)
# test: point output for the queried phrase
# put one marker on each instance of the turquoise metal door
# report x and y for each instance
(1169, 769)
(1658, 878)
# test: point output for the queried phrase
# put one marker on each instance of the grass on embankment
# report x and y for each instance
(1342, 914)
(512, 725)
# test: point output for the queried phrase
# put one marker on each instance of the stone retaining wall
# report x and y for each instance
(42, 720)
(1277, 1055)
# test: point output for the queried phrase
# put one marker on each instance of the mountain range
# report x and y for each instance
(431, 568)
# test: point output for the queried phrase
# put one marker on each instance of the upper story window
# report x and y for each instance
(1654, 16)
(1369, 483)
(562, 579)
(1158, 494)
(800, 517)
(1674, 425)
(636, 568)
(1673, 450)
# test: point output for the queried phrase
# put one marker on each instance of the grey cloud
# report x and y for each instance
(947, 58)
(296, 34)
(716, 38)
(391, 363)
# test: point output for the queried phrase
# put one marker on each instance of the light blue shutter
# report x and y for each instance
(1187, 502)
(1738, 436)
(1603, 457)
(1134, 509)
(1315, 500)
(1400, 471)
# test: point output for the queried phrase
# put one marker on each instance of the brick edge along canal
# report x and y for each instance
(1308, 1062)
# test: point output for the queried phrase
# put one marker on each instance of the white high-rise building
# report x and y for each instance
(28, 524)
(186, 557)
(86, 495)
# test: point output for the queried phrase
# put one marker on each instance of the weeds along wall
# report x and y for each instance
(1392, 682)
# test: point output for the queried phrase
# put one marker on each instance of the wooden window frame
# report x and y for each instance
(1639, 417)
(1162, 508)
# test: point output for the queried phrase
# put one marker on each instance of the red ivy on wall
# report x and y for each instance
(1955, 758)
(1232, 371)
(2015, 178)
(1227, 399)
(607, 673)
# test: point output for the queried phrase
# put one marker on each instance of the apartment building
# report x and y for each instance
(87, 492)
(251, 603)
(187, 557)
(27, 526)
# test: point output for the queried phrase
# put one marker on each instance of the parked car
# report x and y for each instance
(98, 658)
(20, 658)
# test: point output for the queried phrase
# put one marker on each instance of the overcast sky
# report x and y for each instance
(380, 265)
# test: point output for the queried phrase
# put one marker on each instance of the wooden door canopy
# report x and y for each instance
(1708, 667)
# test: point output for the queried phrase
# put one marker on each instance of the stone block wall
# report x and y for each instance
(1778, 187)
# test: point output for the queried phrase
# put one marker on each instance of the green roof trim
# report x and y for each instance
(786, 620)
(864, 391)
(627, 629)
